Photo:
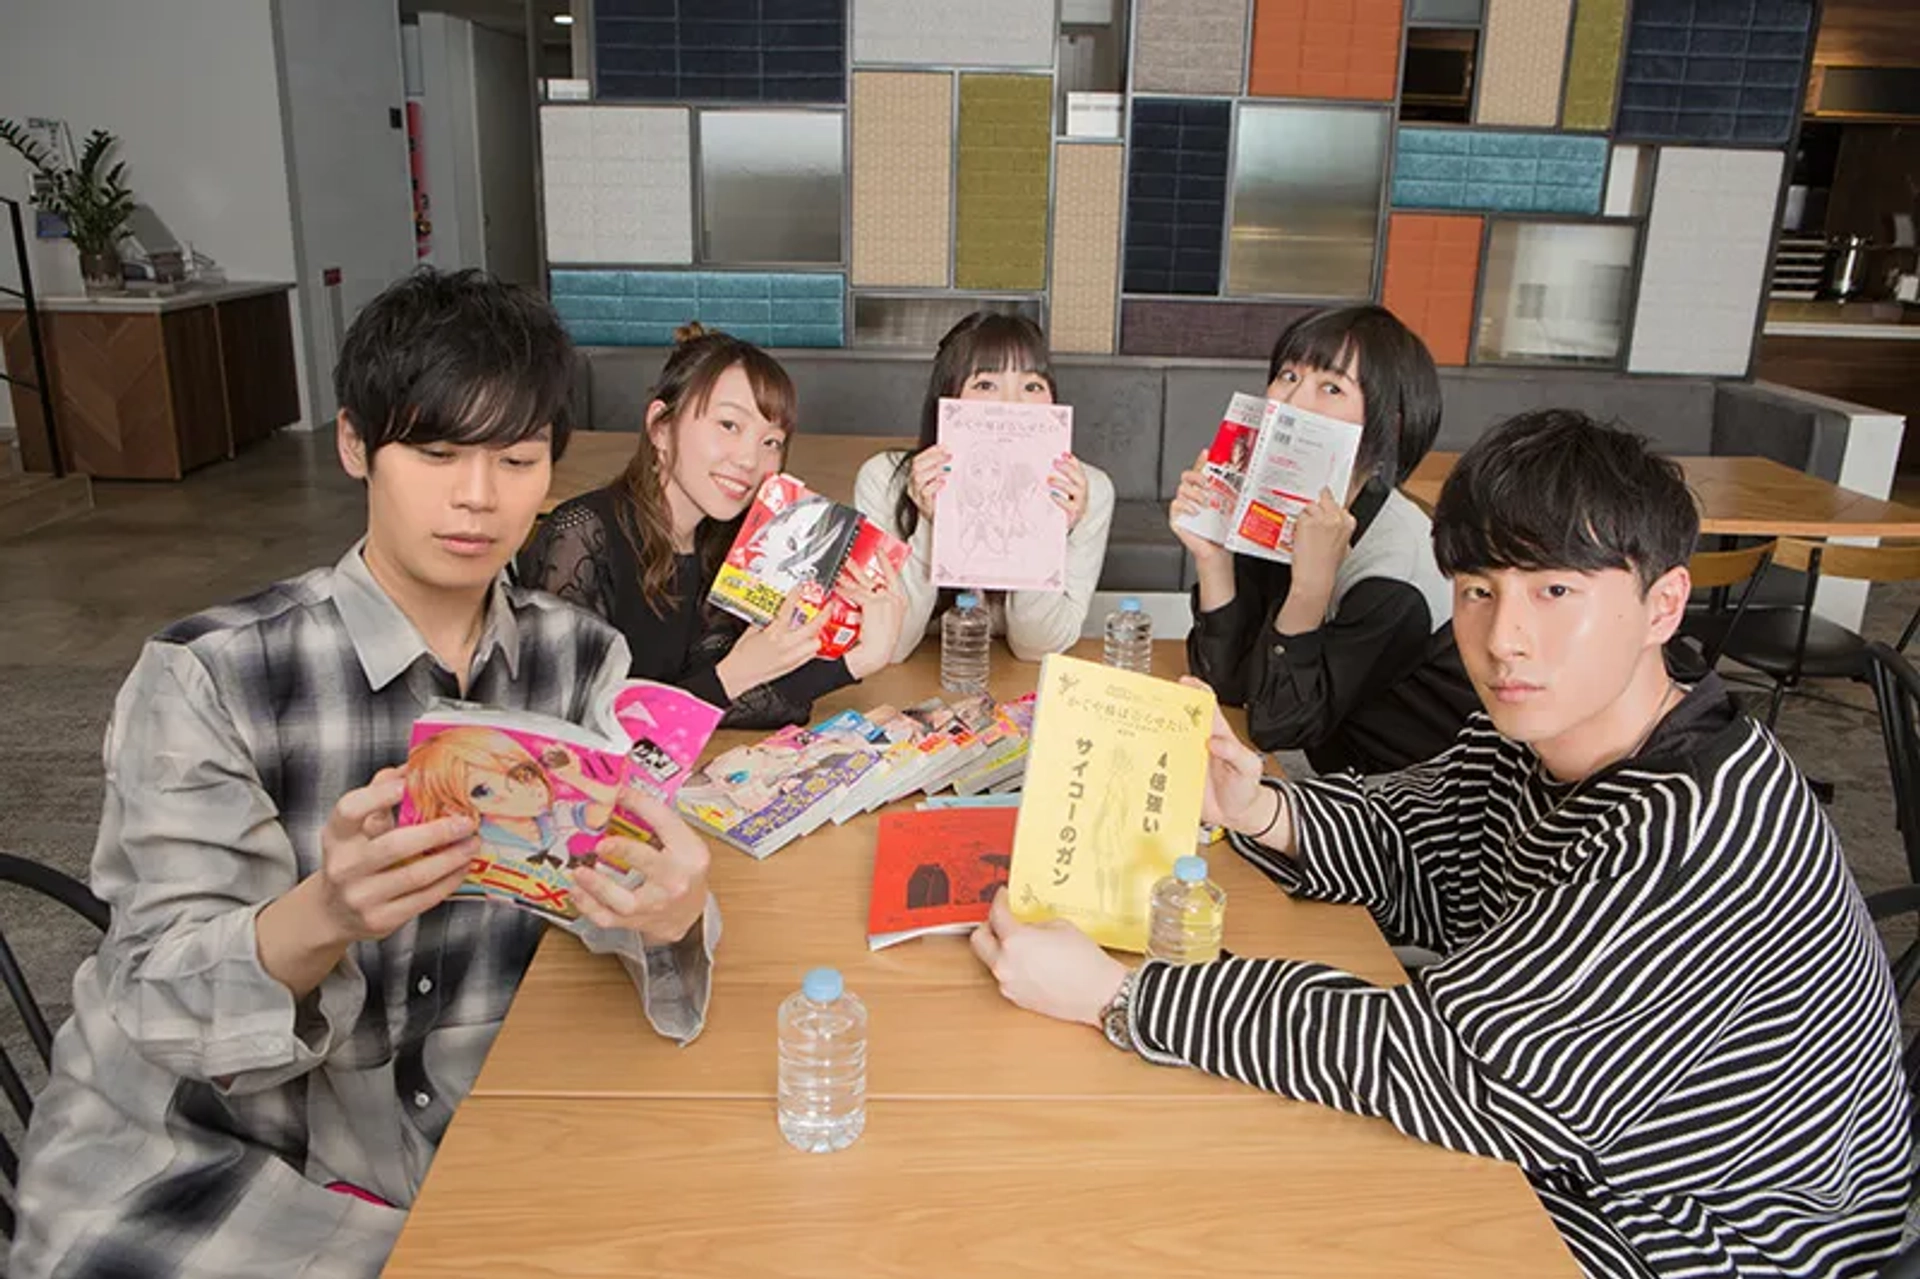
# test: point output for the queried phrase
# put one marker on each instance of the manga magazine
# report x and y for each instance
(544, 790)
(996, 526)
(793, 538)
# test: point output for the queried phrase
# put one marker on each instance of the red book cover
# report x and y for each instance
(935, 870)
(793, 538)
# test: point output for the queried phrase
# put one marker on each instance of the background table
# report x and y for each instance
(1747, 497)
(999, 1142)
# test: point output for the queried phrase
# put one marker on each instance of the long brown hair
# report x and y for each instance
(700, 357)
(984, 342)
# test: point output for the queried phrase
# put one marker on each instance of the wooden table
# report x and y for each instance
(999, 1142)
(1745, 496)
(828, 463)
(940, 1027)
(963, 1187)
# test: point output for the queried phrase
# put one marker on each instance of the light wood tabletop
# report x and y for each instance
(999, 1143)
(828, 463)
(1746, 496)
(958, 1188)
(940, 1027)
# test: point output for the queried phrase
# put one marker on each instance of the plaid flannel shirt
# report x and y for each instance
(196, 1112)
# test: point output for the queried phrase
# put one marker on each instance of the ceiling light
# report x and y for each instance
(564, 19)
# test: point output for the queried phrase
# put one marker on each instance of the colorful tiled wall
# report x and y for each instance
(779, 167)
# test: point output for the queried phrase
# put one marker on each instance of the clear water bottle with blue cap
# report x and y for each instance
(966, 633)
(1188, 914)
(823, 1064)
(1130, 637)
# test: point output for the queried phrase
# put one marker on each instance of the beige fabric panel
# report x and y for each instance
(1523, 62)
(902, 177)
(1086, 246)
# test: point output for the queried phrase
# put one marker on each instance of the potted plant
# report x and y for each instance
(91, 196)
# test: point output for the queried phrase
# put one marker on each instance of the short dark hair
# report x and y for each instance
(1397, 378)
(455, 357)
(1554, 489)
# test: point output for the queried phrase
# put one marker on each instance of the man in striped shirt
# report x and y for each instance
(1659, 992)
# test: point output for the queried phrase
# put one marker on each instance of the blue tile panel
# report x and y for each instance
(643, 308)
(1177, 195)
(1502, 172)
(711, 50)
(1714, 70)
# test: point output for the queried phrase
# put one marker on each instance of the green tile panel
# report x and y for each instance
(1593, 64)
(1006, 145)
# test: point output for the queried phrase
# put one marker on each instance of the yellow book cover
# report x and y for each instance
(1114, 779)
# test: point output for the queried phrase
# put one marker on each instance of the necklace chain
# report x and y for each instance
(1660, 711)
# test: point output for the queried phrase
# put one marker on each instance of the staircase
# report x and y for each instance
(31, 500)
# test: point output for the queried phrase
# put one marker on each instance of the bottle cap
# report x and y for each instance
(1130, 604)
(1190, 869)
(969, 600)
(823, 985)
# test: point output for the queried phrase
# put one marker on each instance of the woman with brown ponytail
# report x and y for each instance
(642, 551)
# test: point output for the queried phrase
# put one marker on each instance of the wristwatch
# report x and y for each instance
(1116, 1018)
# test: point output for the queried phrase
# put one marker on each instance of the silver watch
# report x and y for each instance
(1116, 1019)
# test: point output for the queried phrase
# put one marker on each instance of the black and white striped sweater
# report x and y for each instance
(1660, 995)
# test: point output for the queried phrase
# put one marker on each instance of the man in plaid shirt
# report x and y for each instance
(286, 1010)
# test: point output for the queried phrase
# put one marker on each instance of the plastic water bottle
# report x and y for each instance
(1187, 915)
(966, 631)
(823, 1064)
(1130, 637)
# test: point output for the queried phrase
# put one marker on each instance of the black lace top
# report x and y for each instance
(583, 553)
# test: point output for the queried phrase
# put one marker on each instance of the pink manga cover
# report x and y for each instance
(995, 523)
(545, 791)
(669, 727)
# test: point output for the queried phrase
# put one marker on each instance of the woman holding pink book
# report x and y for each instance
(989, 356)
(642, 552)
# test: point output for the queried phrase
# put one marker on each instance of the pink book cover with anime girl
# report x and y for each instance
(544, 790)
(995, 523)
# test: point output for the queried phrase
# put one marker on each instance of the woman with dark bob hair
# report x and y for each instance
(1346, 653)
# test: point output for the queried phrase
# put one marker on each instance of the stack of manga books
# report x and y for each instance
(761, 797)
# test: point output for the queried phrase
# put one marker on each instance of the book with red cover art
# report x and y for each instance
(1226, 465)
(794, 539)
(936, 871)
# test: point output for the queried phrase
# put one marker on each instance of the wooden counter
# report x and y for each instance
(149, 388)
(1879, 371)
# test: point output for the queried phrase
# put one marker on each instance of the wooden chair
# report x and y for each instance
(1788, 643)
(1695, 649)
(75, 896)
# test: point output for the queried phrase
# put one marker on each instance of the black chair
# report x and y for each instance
(1896, 695)
(1695, 649)
(1896, 903)
(72, 894)
(1788, 643)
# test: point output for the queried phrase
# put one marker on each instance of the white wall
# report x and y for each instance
(190, 87)
(452, 140)
(351, 197)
